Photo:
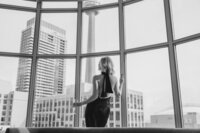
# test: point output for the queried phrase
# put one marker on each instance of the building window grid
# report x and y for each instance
(141, 101)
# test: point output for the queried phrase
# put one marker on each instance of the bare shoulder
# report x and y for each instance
(96, 77)
(113, 78)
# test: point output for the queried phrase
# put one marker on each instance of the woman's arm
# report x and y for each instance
(118, 91)
(92, 97)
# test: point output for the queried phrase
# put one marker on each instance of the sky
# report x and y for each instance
(147, 72)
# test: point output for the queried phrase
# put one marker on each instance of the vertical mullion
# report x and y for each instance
(178, 114)
(31, 95)
(78, 62)
(122, 64)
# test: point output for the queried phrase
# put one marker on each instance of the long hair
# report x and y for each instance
(106, 64)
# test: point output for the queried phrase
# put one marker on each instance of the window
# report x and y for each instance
(185, 17)
(55, 82)
(65, 39)
(188, 63)
(148, 77)
(117, 116)
(104, 32)
(21, 31)
(59, 4)
(144, 23)
(13, 74)
(19, 3)
(99, 2)
(111, 116)
(58, 33)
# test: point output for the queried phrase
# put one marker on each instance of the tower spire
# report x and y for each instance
(90, 62)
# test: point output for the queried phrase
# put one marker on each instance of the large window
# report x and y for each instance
(14, 82)
(100, 31)
(72, 38)
(54, 93)
(149, 92)
(189, 64)
(58, 33)
(144, 23)
(16, 35)
(185, 17)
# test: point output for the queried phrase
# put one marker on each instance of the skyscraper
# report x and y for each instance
(50, 72)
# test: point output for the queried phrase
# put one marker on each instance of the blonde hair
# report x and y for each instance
(106, 64)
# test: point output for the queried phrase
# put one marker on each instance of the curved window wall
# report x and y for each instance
(185, 18)
(144, 23)
(49, 52)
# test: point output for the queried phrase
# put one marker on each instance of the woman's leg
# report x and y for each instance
(89, 116)
(102, 112)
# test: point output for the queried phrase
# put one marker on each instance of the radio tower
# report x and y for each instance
(90, 63)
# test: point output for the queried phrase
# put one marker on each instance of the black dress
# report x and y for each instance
(97, 111)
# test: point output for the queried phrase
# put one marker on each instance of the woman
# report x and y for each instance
(98, 104)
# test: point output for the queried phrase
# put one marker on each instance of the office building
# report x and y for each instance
(50, 72)
(57, 110)
(13, 108)
(191, 118)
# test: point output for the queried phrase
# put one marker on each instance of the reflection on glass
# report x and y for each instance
(89, 69)
(149, 96)
(14, 82)
(185, 17)
(100, 31)
(16, 35)
(19, 3)
(59, 4)
(144, 23)
(58, 33)
(189, 71)
(54, 93)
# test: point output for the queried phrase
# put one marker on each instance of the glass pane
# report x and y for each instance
(100, 31)
(149, 96)
(185, 17)
(88, 70)
(58, 33)
(17, 37)
(89, 3)
(145, 23)
(189, 71)
(19, 3)
(54, 93)
(14, 82)
(59, 5)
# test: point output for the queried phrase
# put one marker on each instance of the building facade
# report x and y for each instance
(191, 118)
(57, 110)
(13, 108)
(50, 72)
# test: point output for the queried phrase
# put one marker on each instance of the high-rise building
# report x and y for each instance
(57, 110)
(50, 72)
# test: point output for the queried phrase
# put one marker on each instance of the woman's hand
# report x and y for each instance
(77, 104)
(121, 79)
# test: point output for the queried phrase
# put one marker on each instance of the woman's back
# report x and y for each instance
(100, 81)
